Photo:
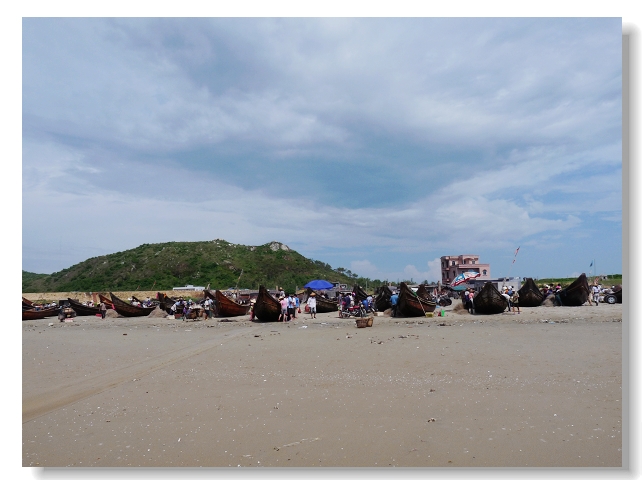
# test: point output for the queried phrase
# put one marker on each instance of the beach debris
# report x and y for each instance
(304, 326)
(51, 324)
(431, 420)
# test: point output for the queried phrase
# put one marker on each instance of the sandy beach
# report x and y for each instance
(538, 389)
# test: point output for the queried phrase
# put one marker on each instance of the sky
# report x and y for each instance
(374, 144)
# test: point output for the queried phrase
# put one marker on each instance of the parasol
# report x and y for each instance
(318, 285)
(463, 278)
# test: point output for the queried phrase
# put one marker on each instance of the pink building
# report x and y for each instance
(453, 265)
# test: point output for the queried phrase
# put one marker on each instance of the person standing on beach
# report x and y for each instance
(312, 305)
(515, 301)
(284, 309)
(103, 309)
(394, 298)
(207, 306)
(596, 294)
(291, 306)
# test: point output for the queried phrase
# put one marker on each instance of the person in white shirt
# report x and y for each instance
(596, 294)
(312, 304)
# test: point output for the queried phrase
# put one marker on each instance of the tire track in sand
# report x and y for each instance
(67, 394)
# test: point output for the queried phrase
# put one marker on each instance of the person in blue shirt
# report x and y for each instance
(394, 298)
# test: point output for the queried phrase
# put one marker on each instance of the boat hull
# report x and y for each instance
(81, 309)
(412, 305)
(226, 307)
(127, 310)
(38, 314)
(489, 301)
(529, 294)
(267, 308)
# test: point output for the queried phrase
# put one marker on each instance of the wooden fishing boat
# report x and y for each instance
(359, 293)
(324, 305)
(576, 294)
(34, 314)
(382, 300)
(529, 294)
(489, 301)
(106, 301)
(165, 302)
(226, 307)
(126, 310)
(267, 308)
(81, 309)
(412, 305)
(422, 291)
(26, 304)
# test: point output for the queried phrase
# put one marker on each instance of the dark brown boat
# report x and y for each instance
(26, 304)
(126, 310)
(165, 302)
(34, 314)
(324, 305)
(576, 294)
(226, 307)
(489, 301)
(529, 294)
(412, 305)
(81, 309)
(382, 300)
(359, 293)
(267, 308)
(106, 301)
(422, 291)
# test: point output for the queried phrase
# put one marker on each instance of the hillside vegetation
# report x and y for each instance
(218, 263)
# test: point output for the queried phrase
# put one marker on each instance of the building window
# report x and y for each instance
(484, 272)
(453, 264)
(473, 262)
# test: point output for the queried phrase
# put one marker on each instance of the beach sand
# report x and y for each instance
(538, 389)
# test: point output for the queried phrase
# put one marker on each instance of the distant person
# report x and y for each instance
(281, 293)
(291, 307)
(312, 305)
(469, 295)
(506, 296)
(596, 294)
(394, 299)
(297, 304)
(103, 310)
(515, 301)
(207, 306)
(284, 309)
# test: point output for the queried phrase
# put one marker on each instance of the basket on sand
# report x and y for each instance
(362, 322)
(369, 322)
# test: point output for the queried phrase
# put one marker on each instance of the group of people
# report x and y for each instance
(512, 297)
(508, 292)
(290, 305)
(349, 300)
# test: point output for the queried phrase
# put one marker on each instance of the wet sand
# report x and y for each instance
(538, 389)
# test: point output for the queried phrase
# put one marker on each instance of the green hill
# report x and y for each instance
(165, 265)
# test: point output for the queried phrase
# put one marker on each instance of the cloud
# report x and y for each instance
(402, 136)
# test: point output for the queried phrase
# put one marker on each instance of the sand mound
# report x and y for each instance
(158, 313)
(111, 314)
(549, 301)
(460, 309)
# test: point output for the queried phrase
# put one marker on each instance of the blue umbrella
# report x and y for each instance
(318, 285)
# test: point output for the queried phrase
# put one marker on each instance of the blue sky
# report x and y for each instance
(376, 144)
